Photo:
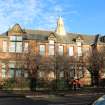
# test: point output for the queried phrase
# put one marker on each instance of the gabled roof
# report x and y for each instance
(16, 29)
(43, 36)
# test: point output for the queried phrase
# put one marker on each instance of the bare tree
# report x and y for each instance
(31, 65)
(62, 69)
(97, 61)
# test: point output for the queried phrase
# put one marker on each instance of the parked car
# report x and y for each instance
(100, 101)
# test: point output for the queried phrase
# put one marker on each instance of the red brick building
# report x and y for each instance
(17, 41)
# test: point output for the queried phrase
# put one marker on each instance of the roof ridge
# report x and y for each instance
(39, 30)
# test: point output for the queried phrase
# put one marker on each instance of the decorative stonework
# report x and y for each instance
(52, 37)
(16, 29)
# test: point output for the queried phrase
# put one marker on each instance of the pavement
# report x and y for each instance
(79, 97)
(23, 93)
(5, 93)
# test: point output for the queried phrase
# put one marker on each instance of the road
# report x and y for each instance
(51, 100)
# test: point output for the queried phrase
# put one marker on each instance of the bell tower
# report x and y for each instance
(60, 30)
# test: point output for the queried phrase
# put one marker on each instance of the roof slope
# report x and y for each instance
(43, 35)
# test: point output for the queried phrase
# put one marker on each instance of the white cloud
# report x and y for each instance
(34, 13)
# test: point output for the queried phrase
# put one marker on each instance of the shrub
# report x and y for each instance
(8, 84)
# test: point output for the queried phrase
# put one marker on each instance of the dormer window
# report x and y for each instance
(79, 43)
(51, 41)
(51, 47)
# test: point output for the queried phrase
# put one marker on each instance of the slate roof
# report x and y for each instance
(43, 36)
(37, 34)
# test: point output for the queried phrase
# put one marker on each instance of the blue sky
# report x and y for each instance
(80, 16)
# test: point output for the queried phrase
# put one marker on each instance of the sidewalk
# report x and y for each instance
(9, 94)
(19, 93)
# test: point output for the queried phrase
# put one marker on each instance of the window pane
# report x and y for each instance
(79, 51)
(3, 65)
(13, 38)
(12, 47)
(41, 74)
(60, 50)
(72, 73)
(11, 65)
(11, 73)
(80, 74)
(19, 38)
(3, 73)
(3, 70)
(78, 43)
(18, 73)
(51, 75)
(70, 51)
(51, 49)
(51, 41)
(42, 49)
(61, 74)
(25, 74)
(11, 70)
(26, 47)
(18, 46)
(4, 46)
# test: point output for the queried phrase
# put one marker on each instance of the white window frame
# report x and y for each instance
(42, 49)
(18, 73)
(19, 38)
(14, 44)
(71, 51)
(12, 38)
(61, 50)
(12, 69)
(79, 43)
(51, 50)
(51, 41)
(3, 71)
(5, 46)
(61, 75)
(79, 51)
(26, 45)
(19, 46)
(41, 74)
